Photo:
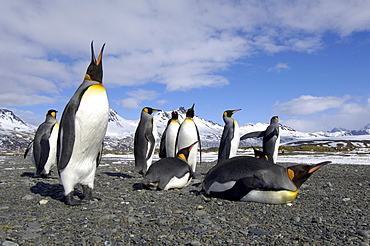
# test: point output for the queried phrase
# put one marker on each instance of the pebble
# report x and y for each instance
(127, 215)
(9, 243)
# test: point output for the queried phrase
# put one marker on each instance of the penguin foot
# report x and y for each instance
(45, 175)
(87, 194)
(70, 200)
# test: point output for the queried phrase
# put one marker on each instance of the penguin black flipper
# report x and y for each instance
(66, 141)
(45, 146)
(162, 146)
(242, 187)
(99, 156)
(256, 134)
(200, 145)
(150, 138)
(28, 149)
(225, 146)
(269, 135)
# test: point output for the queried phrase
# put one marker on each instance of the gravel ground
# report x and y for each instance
(332, 208)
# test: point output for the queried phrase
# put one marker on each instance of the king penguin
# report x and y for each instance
(170, 172)
(188, 134)
(271, 139)
(230, 137)
(82, 129)
(144, 141)
(44, 145)
(168, 140)
(250, 179)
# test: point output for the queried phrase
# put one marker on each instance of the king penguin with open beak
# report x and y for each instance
(44, 145)
(82, 129)
(230, 137)
(144, 141)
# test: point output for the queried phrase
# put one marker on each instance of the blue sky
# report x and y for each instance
(305, 61)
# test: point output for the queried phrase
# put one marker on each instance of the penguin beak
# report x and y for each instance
(95, 69)
(317, 166)
(236, 110)
(192, 107)
(93, 59)
(191, 146)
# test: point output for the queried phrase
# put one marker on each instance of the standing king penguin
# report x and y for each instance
(250, 179)
(144, 141)
(230, 137)
(170, 172)
(82, 129)
(271, 139)
(44, 145)
(168, 140)
(187, 135)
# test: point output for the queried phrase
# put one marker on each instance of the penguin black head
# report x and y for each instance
(300, 173)
(174, 115)
(190, 112)
(184, 153)
(95, 69)
(259, 154)
(53, 113)
(229, 113)
(150, 110)
(274, 119)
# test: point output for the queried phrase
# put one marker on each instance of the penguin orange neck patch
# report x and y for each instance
(182, 156)
(290, 174)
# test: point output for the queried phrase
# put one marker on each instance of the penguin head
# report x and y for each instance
(259, 154)
(95, 69)
(300, 173)
(190, 112)
(150, 110)
(274, 119)
(52, 113)
(184, 153)
(174, 115)
(229, 113)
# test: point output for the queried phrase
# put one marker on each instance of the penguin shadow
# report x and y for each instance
(118, 175)
(139, 186)
(27, 174)
(32, 175)
(54, 191)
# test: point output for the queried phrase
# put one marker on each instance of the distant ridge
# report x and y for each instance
(15, 134)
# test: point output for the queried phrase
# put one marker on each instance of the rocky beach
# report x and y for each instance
(332, 208)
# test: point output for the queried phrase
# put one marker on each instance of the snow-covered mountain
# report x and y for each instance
(15, 134)
(10, 122)
(210, 132)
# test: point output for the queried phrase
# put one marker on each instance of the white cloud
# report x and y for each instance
(137, 97)
(309, 113)
(280, 67)
(44, 45)
(306, 104)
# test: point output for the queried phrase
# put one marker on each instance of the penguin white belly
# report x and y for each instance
(53, 149)
(220, 187)
(235, 141)
(176, 182)
(271, 197)
(171, 135)
(188, 135)
(276, 150)
(91, 122)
